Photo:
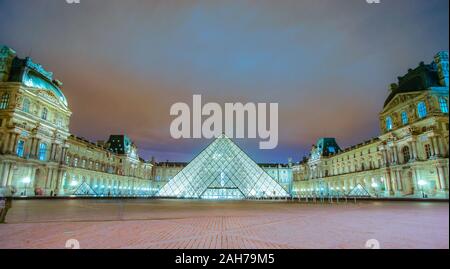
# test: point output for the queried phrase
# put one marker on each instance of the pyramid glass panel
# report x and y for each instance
(222, 171)
(85, 190)
(359, 191)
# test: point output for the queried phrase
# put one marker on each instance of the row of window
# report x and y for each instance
(44, 114)
(4, 102)
(42, 153)
(421, 112)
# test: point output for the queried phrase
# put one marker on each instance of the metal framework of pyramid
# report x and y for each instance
(359, 191)
(222, 171)
(85, 190)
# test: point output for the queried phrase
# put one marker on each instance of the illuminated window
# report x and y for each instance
(5, 101)
(388, 123)
(406, 154)
(42, 151)
(443, 104)
(404, 118)
(421, 110)
(26, 105)
(428, 150)
(20, 148)
(44, 113)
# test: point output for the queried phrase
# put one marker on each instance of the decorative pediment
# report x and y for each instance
(400, 99)
(48, 95)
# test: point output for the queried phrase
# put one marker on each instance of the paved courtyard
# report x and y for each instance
(225, 224)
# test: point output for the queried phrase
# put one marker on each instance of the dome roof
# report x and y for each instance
(35, 76)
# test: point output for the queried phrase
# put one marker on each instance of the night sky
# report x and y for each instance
(327, 63)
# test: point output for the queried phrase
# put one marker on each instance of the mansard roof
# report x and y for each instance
(35, 76)
(421, 78)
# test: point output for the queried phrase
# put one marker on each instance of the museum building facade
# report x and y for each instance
(39, 156)
(409, 159)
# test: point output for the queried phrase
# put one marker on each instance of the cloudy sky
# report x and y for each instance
(328, 63)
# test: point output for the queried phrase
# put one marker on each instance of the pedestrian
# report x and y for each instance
(5, 205)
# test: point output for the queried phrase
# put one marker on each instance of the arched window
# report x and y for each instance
(20, 148)
(406, 154)
(42, 151)
(404, 118)
(428, 150)
(44, 113)
(421, 109)
(26, 105)
(388, 123)
(5, 101)
(443, 104)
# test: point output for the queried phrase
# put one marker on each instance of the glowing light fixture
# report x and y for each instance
(422, 182)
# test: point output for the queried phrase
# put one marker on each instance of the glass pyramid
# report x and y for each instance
(359, 191)
(222, 171)
(85, 190)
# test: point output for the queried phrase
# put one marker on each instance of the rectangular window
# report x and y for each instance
(4, 101)
(20, 148)
(443, 104)
(404, 118)
(42, 151)
(422, 109)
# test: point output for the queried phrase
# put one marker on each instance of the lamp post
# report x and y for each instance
(26, 181)
(421, 184)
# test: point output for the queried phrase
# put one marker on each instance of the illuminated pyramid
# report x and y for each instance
(359, 191)
(85, 190)
(222, 171)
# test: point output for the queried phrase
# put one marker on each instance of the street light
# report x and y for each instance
(421, 184)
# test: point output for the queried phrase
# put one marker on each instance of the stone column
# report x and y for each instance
(437, 150)
(385, 157)
(415, 152)
(412, 150)
(5, 174)
(10, 175)
(396, 161)
(48, 180)
(433, 153)
(415, 181)
(13, 143)
(442, 180)
(36, 147)
(59, 183)
(63, 155)
(6, 143)
(399, 180)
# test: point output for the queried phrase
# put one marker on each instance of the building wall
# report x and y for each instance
(409, 159)
(38, 156)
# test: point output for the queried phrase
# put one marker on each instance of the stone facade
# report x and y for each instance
(409, 159)
(39, 156)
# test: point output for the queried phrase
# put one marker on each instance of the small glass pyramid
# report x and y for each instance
(359, 191)
(85, 190)
(222, 171)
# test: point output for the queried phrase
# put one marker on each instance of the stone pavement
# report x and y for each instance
(179, 224)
